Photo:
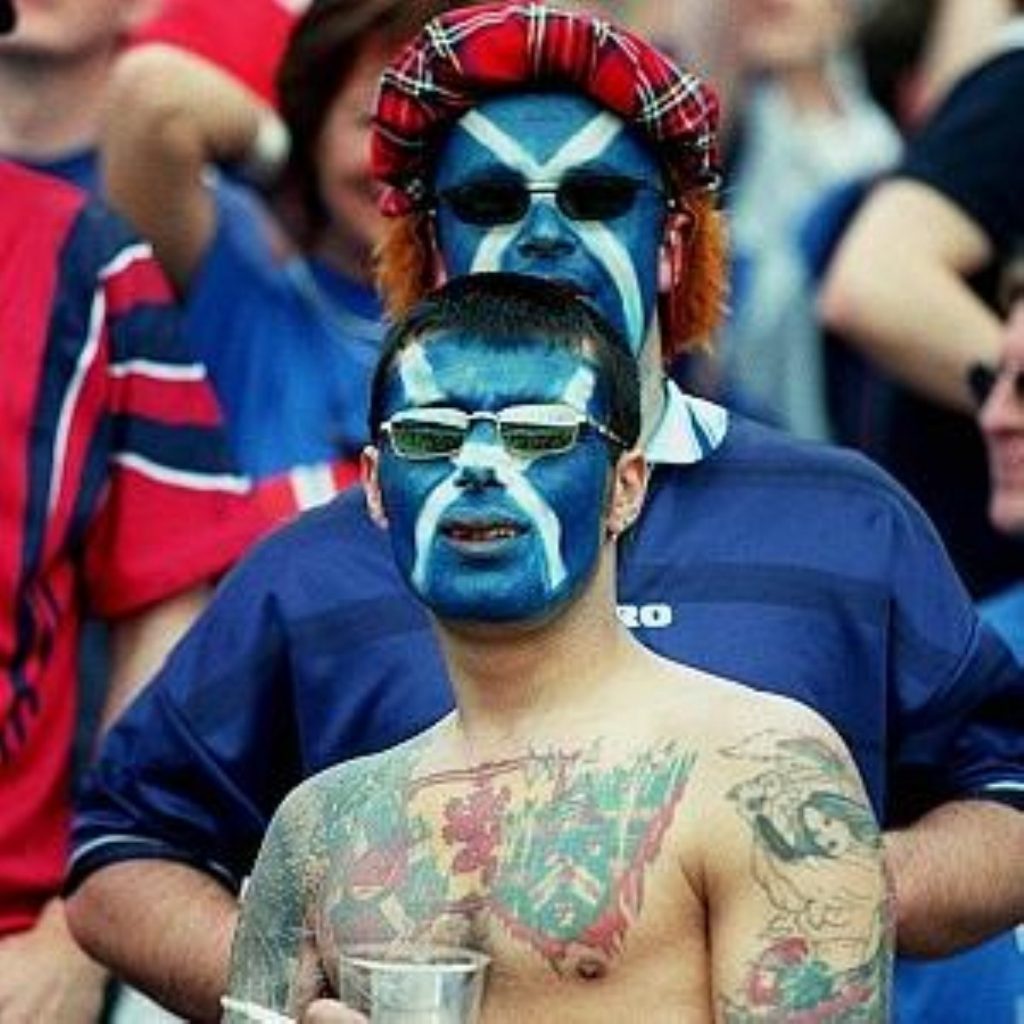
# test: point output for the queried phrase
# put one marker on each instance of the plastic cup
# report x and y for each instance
(409, 984)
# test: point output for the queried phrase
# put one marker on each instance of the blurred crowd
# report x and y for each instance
(871, 182)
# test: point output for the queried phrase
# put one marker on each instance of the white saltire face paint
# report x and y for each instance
(488, 535)
(539, 139)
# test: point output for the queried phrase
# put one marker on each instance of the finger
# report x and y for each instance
(329, 1011)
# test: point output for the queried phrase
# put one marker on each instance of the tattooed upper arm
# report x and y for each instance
(799, 903)
(274, 965)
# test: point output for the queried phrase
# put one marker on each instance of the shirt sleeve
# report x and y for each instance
(972, 149)
(958, 719)
(190, 772)
(174, 513)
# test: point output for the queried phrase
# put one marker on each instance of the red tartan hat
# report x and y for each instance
(465, 55)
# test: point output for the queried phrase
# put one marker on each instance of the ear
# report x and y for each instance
(672, 253)
(629, 486)
(369, 471)
(438, 271)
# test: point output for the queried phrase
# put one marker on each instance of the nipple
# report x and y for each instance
(589, 968)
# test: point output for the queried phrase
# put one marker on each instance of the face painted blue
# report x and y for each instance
(540, 138)
(488, 536)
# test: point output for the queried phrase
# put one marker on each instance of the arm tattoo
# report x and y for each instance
(823, 954)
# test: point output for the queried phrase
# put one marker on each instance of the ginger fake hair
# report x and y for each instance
(693, 306)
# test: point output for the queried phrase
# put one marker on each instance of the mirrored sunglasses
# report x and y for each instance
(585, 197)
(526, 431)
(982, 379)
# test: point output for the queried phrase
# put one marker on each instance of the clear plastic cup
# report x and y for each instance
(413, 984)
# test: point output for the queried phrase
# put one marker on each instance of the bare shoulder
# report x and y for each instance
(751, 737)
(321, 806)
(790, 861)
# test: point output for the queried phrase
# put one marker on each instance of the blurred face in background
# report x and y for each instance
(72, 29)
(1002, 424)
(343, 154)
(567, 150)
(783, 35)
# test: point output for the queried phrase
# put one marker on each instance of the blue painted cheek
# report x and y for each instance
(459, 243)
(406, 488)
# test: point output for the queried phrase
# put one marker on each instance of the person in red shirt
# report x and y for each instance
(119, 499)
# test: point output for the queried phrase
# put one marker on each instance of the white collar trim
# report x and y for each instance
(690, 429)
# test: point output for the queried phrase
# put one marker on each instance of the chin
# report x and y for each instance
(476, 616)
(1007, 513)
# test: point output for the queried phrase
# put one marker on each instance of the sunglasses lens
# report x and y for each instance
(981, 379)
(421, 439)
(532, 431)
(488, 203)
(597, 197)
(531, 440)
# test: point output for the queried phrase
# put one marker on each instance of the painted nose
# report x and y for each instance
(477, 462)
(544, 231)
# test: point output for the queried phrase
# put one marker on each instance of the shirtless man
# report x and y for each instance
(621, 834)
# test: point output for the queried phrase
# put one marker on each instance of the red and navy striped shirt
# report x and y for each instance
(117, 488)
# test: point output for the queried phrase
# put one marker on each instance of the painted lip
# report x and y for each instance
(482, 534)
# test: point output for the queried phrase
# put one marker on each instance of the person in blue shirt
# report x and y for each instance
(794, 567)
(1000, 392)
(994, 971)
(281, 307)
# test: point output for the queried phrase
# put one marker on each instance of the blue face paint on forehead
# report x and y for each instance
(486, 535)
(486, 375)
(542, 138)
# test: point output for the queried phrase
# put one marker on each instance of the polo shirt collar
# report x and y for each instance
(690, 429)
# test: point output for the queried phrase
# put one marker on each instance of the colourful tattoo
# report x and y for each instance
(553, 848)
(824, 952)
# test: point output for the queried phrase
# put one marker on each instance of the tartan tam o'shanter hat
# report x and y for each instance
(464, 56)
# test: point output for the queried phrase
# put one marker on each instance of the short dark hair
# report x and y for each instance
(506, 308)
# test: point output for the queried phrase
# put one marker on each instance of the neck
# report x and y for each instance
(349, 258)
(516, 685)
(809, 89)
(652, 387)
(51, 108)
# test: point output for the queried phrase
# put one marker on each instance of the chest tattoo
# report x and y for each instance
(552, 848)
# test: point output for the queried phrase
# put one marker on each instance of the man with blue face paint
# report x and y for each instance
(799, 569)
(615, 835)
(488, 504)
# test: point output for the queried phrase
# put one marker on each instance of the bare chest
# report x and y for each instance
(552, 865)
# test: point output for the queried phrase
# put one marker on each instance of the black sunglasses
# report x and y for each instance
(580, 197)
(982, 379)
